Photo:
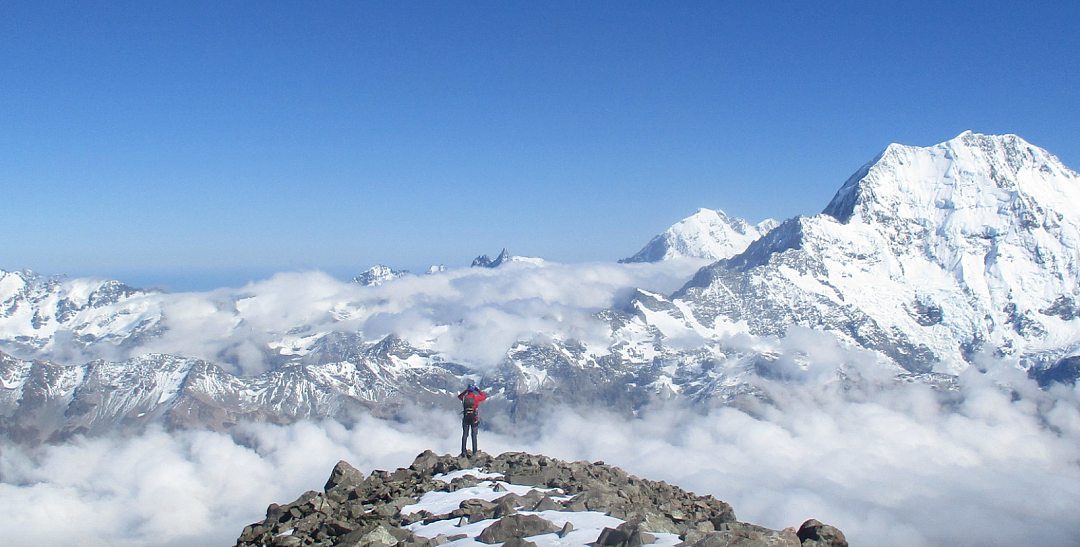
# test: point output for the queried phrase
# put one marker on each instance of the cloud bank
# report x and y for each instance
(470, 315)
(996, 462)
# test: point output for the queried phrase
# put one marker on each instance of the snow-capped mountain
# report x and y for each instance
(42, 314)
(925, 259)
(927, 255)
(708, 233)
(485, 261)
(42, 402)
(377, 275)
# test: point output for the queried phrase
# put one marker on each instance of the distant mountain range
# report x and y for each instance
(928, 258)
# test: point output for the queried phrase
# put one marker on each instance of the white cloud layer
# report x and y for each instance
(891, 465)
(470, 315)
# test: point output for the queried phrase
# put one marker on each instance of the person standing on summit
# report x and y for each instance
(470, 415)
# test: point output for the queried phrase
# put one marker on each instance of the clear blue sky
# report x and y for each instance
(202, 144)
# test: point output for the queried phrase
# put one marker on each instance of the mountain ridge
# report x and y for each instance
(929, 257)
(516, 499)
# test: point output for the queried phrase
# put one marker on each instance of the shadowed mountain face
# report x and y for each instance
(926, 260)
(513, 499)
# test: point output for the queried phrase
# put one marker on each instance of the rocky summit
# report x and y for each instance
(517, 500)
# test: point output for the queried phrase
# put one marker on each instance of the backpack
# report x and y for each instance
(469, 415)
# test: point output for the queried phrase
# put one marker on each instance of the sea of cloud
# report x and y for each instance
(995, 462)
(892, 464)
(469, 315)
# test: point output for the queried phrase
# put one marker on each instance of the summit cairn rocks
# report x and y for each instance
(355, 510)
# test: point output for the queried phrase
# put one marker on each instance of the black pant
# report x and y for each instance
(465, 427)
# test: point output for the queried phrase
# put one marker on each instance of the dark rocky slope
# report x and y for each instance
(358, 511)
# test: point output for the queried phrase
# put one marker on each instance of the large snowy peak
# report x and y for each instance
(39, 313)
(949, 199)
(708, 233)
(926, 254)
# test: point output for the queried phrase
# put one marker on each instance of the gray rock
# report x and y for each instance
(378, 537)
(477, 510)
(514, 499)
(505, 508)
(627, 534)
(692, 537)
(740, 534)
(425, 462)
(566, 529)
(813, 533)
(516, 526)
(518, 542)
(547, 504)
(459, 483)
(335, 527)
(576, 504)
(286, 541)
(653, 521)
(344, 476)
(602, 499)
(532, 497)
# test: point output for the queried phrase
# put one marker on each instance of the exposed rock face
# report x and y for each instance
(406, 507)
(485, 261)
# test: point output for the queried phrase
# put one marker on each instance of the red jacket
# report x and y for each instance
(476, 397)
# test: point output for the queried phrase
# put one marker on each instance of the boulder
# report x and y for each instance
(547, 504)
(505, 508)
(516, 526)
(425, 462)
(813, 533)
(345, 476)
(627, 534)
(518, 542)
(741, 534)
(514, 500)
(285, 541)
(566, 529)
(477, 510)
(652, 521)
(378, 536)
